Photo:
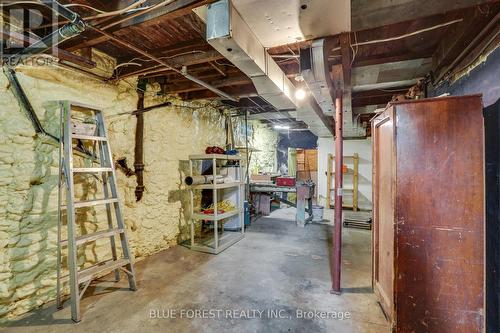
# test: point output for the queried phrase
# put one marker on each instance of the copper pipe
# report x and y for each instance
(337, 230)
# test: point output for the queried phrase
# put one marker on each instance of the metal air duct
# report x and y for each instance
(316, 73)
(228, 33)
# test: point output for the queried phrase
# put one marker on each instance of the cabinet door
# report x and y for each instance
(383, 232)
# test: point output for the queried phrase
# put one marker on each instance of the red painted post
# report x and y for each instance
(337, 230)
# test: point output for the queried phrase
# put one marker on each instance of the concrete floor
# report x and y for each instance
(277, 267)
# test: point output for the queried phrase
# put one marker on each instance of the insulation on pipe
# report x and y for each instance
(74, 28)
(199, 180)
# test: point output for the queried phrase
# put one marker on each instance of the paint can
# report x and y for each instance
(317, 213)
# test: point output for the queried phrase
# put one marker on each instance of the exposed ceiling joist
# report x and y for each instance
(188, 86)
(169, 11)
(172, 50)
(177, 62)
(375, 97)
(386, 85)
(241, 91)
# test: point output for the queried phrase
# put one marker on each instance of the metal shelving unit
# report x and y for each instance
(222, 239)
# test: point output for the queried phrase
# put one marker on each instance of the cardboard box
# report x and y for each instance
(260, 178)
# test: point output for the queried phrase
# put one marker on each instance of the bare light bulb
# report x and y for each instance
(300, 94)
(283, 127)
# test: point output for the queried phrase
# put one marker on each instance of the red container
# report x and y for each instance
(285, 181)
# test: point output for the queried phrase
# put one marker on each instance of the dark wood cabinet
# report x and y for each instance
(429, 215)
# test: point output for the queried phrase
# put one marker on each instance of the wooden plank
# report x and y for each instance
(170, 11)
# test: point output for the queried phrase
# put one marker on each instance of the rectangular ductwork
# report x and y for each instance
(316, 73)
(228, 33)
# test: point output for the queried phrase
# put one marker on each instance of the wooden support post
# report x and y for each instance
(337, 231)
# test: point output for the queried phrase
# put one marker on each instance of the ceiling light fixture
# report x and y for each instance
(300, 94)
(283, 127)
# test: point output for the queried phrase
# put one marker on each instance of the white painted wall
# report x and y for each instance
(364, 149)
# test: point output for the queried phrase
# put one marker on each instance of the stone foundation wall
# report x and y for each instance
(29, 171)
(265, 140)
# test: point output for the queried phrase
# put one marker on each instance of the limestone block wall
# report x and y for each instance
(266, 141)
(29, 171)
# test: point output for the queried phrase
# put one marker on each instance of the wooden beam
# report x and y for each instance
(189, 86)
(345, 50)
(202, 73)
(346, 94)
(376, 97)
(241, 90)
(172, 50)
(394, 57)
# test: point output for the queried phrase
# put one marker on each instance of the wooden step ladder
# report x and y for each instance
(103, 169)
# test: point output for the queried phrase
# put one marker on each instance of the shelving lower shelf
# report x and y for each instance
(216, 156)
(222, 238)
(216, 186)
(225, 241)
(211, 217)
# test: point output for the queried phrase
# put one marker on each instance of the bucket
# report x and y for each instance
(317, 213)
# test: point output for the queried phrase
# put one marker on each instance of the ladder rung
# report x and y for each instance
(101, 269)
(91, 170)
(89, 137)
(90, 203)
(84, 239)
